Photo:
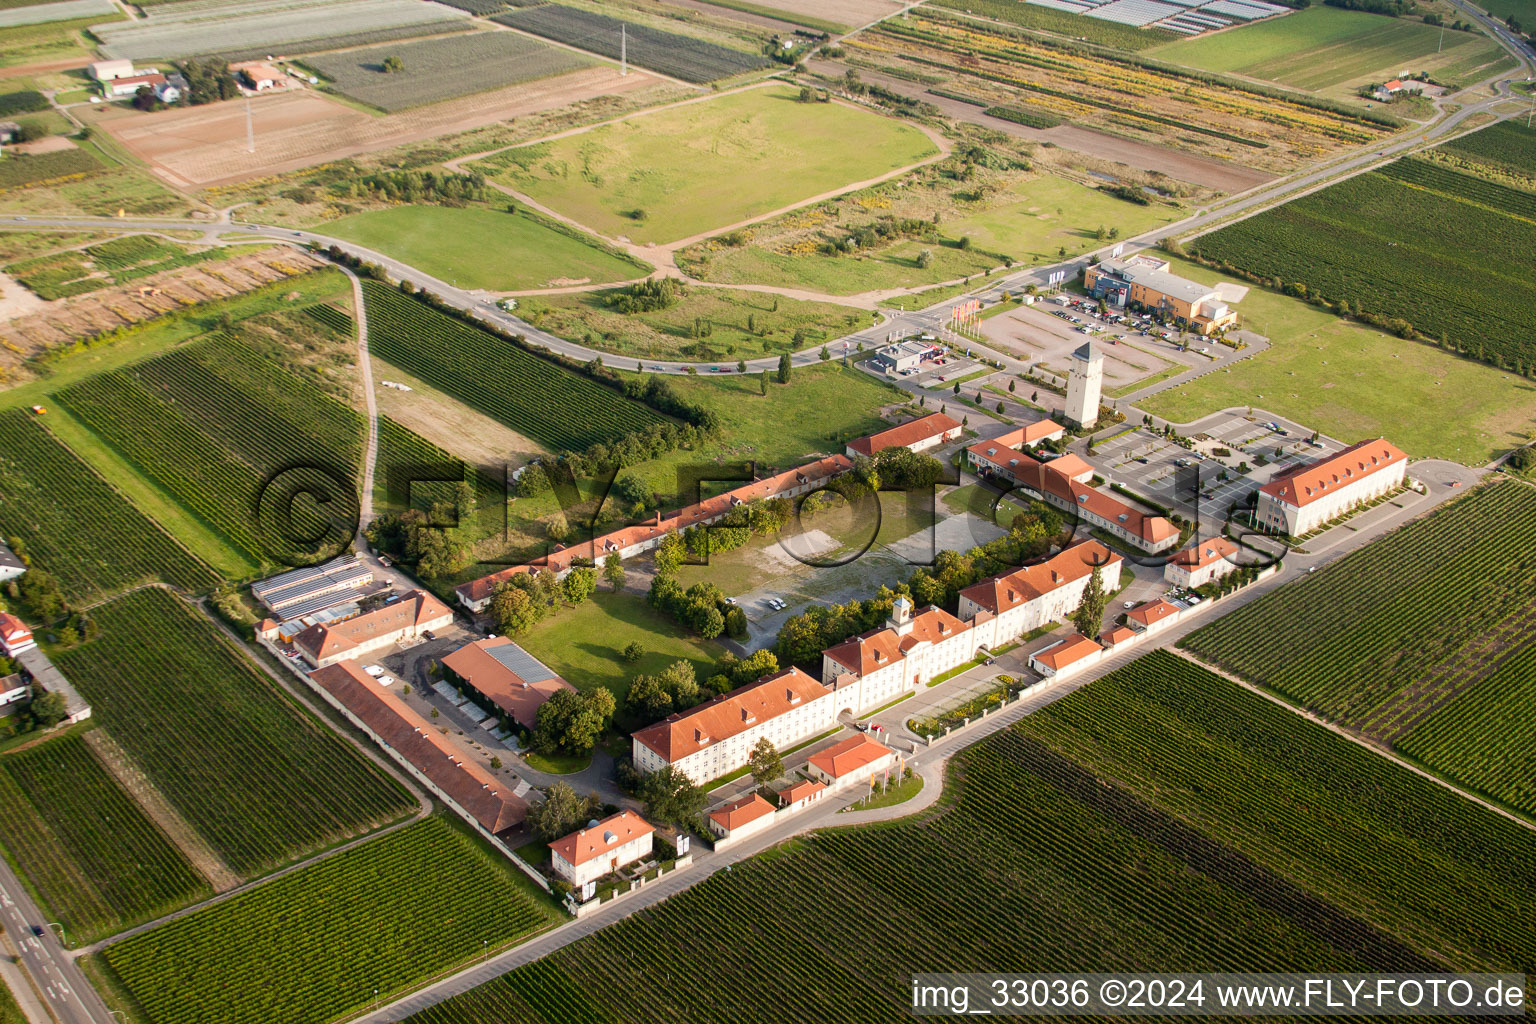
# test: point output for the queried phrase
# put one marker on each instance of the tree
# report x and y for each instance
(578, 584)
(669, 554)
(925, 259)
(741, 366)
(1090, 613)
(49, 709)
(784, 368)
(392, 64)
(632, 652)
(613, 571)
(1011, 385)
(762, 383)
(825, 354)
(572, 722)
(671, 797)
(513, 609)
(563, 811)
(532, 482)
(765, 762)
(957, 387)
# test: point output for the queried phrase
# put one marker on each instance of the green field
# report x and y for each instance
(481, 248)
(582, 643)
(1323, 47)
(1423, 640)
(1023, 219)
(663, 176)
(259, 777)
(334, 938)
(1352, 382)
(86, 847)
(75, 525)
(741, 324)
(1159, 819)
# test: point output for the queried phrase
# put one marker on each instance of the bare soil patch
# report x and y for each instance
(448, 423)
(200, 147)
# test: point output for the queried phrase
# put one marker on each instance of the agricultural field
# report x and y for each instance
(235, 439)
(116, 262)
(487, 248)
(61, 165)
(260, 778)
(186, 30)
(536, 398)
(1442, 261)
(1330, 50)
(1424, 641)
(328, 941)
(1062, 23)
(75, 525)
(346, 40)
(442, 69)
(85, 846)
(1203, 805)
(1353, 381)
(10, 1011)
(1504, 152)
(668, 175)
(706, 323)
(51, 41)
(995, 217)
(1150, 102)
(677, 56)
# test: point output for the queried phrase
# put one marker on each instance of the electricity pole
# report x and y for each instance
(250, 128)
(623, 50)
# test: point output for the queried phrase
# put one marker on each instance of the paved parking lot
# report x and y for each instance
(1148, 464)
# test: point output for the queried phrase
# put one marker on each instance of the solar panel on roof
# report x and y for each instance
(520, 662)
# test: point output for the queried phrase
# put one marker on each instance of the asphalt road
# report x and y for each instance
(65, 991)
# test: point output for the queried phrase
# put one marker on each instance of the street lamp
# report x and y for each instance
(63, 939)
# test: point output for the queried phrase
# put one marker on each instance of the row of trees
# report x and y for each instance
(677, 688)
(528, 598)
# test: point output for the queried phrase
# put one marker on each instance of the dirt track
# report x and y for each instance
(199, 147)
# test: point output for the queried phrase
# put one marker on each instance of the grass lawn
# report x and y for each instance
(897, 794)
(1323, 47)
(741, 324)
(481, 247)
(701, 166)
(558, 764)
(815, 414)
(1023, 218)
(583, 643)
(1353, 382)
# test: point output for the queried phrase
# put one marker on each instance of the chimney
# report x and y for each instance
(1055, 576)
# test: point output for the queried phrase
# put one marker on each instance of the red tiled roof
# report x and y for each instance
(13, 629)
(1306, 484)
(596, 840)
(1068, 652)
(412, 611)
(1039, 431)
(702, 512)
(1071, 465)
(935, 424)
(1207, 552)
(688, 732)
(154, 79)
(800, 791)
(1040, 477)
(1000, 593)
(849, 756)
(472, 787)
(499, 684)
(879, 647)
(1119, 635)
(741, 812)
(1152, 612)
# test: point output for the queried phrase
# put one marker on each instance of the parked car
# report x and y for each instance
(429, 634)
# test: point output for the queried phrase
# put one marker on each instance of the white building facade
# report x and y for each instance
(1304, 499)
(1085, 383)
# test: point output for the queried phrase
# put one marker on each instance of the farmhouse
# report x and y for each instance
(854, 759)
(995, 461)
(916, 435)
(414, 614)
(500, 673)
(633, 540)
(717, 737)
(108, 70)
(472, 791)
(1014, 603)
(741, 818)
(1301, 500)
(1063, 654)
(1144, 280)
(259, 76)
(1201, 563)
(121, 88)
(602, 848)
(15, 637)
(10, 565)
(876, 667)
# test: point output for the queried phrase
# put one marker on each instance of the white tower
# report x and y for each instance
(1085, 380)
(901, 615)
